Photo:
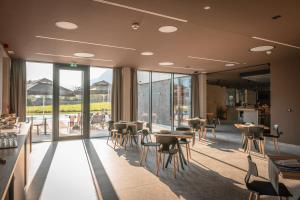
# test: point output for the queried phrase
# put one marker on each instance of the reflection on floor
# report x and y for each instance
(216, 171)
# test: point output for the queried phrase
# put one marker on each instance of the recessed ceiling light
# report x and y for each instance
(168, 29)
(66, 25)
(268, 52)
(84, 55)
(147, 53)
(165, 63)
(261, 48)
(10, 52)
(206, 7)
(229, 65)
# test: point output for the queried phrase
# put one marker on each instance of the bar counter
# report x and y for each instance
(13, 173)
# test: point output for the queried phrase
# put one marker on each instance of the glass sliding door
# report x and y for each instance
(144, 92)
(71, 102)
(39, 99)
(100, 100)
(182, 99)
(161, 101)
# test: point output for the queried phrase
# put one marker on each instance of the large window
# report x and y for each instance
(100, 100)
(39, 99)
(143, 96)
(182, 99)
(164, 99)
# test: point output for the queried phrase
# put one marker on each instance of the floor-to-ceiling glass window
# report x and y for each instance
(182, 99)
(100, 100)
(164, 99)
(161, 101)
(143, 79)
(39, 99)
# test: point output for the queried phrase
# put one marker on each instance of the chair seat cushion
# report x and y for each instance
(184, 142)
(266, 188)
(271, 136)
(210, 126)
(152, 144)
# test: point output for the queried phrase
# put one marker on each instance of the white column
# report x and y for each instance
(202, 94)
(126, 79)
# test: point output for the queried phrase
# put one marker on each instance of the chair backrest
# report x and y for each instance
(252, 169)
(145, 133)
(256, 131)
(194, 123)
(139, 125)
(120, 126)
(183, 128)
(166, 142)
(110, 125)
(276, 129)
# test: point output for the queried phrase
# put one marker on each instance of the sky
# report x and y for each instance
(68, 78)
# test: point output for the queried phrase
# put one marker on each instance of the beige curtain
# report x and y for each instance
(195, 96)
(133, 96)
(117, 94)
(18, 88)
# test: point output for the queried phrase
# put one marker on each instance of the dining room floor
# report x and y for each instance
(216, 171)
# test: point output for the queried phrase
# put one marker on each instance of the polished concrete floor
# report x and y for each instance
(216, 171)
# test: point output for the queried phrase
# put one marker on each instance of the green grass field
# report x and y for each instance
(74, 108)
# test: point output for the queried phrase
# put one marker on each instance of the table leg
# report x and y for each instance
(181, 156)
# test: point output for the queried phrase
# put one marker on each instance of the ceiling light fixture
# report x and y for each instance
(84, 55)
(83, 42)
(135, 26)
(66, 25)
(165, 63)
(276, 42)
(268, 52)
(10, 52)
(168, 29)
(229, 65)
(140, 10)
(65, 56)
(210, 59)
(206, 7)
(147, 53)
(261, 48)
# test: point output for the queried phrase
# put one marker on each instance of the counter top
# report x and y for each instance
(247, 109)
(11, 156)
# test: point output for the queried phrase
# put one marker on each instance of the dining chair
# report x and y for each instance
(146, 144)
(256, 136)
(195, 125)
(168, 146)
(260, 188)
(275, 137)
(110, 130)
(210, 125)
(185, 142)
(120, 133)
(131, 135)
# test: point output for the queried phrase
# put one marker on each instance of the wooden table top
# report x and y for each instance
(201, 120)
(177, 134)
(285, 174)
(242, 126)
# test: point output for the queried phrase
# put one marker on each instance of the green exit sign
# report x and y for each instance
(73, 65)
